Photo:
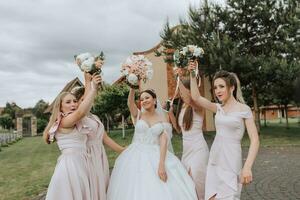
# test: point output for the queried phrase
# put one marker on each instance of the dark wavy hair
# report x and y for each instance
(151, 92)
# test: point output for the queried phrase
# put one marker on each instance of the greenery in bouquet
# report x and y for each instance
(183, 56)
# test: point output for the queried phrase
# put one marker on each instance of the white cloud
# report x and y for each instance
(39, 38)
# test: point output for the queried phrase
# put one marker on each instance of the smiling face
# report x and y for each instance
(147, 101)
(69, 104)
(221, 90)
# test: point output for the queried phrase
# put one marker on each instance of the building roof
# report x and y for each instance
(149, 51)
(119, 80)
(68, 87)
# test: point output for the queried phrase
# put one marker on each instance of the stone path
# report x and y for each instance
(276, 175)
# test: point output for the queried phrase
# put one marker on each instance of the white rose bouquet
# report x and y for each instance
(89, 63)
(135, 68)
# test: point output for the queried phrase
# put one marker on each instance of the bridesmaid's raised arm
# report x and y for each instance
(197, 98)
(186, 95)
(84, 108)
(87, 83)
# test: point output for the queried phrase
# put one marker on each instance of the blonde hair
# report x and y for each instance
(56, 110)
(239, 95)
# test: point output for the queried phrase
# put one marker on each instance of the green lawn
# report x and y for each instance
(27, 166)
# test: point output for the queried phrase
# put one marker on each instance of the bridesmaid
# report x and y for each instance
(225, 173)
(98, 162)
(195, 149)
(71, 176)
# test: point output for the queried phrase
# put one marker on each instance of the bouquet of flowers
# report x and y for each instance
(89, 63)
(135, 68)
(183, 56)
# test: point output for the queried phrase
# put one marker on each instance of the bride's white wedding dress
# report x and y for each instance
(135, 174)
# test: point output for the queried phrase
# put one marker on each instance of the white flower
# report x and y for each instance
(125, 72)
(191, 48)
(132, 79)
(149, 74)
(134, 58)
(185, 50)
(129, 61)
(197, 52)
(87, 65)
(83, 56)
(140, 57)
(148, 63)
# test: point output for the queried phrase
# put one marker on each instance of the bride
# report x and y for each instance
(146, 170)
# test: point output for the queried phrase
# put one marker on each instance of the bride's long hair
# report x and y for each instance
(231, 80)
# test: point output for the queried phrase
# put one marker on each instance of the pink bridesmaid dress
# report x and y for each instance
(225, 159)
(98, 162)
(195, 151)
(70, 180)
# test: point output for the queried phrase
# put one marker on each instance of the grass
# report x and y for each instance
(27, 166)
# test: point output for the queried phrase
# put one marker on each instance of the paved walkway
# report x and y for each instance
(276, 175)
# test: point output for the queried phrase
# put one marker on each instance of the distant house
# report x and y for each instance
(68, 87)
(276, 112)
(164, 82)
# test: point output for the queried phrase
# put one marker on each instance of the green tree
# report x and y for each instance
(242, 37)
(284, 91)
(39, 108)
(11, 109)
(42, 118)
(111, 103)
(6, 121)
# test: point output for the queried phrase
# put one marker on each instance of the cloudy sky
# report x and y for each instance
(38, 39)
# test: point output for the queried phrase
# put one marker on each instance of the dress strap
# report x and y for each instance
(219, 108)
(247, 113)
(55, 127)
(138, 115)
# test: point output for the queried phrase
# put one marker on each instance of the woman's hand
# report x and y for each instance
(162, 173)
(123, 149)
(192, 66)
(96, 80)
(246, 176)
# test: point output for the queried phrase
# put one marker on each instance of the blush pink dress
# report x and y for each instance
(70, 180)
(225, 159)
(98, 162)
(195, 152)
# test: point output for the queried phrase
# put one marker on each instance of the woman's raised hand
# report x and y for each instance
(193, 64)
(96, 81)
